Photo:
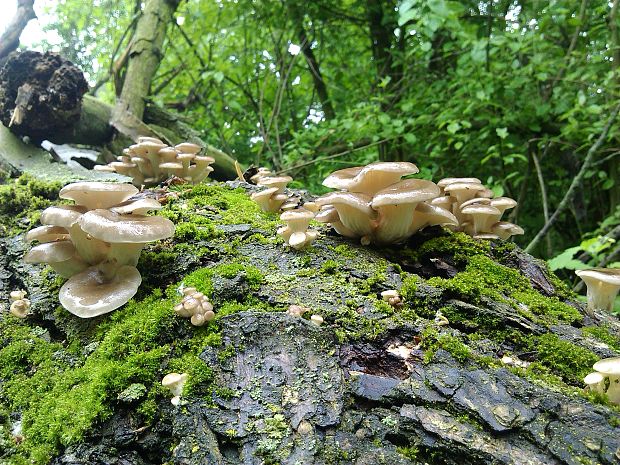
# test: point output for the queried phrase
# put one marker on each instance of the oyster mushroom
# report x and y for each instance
(174, 382)
(603, 285)
(93, 195)
(396, 205)
(371, 178)
(354, 211)
(99, 289)
(610, 368)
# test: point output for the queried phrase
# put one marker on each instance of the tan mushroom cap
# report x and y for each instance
(145, 139)
(463, 191)
(61, 256)
(188, 147)
(50, 252)
(95, 195)
(480, 215)
(112, 227)
(504, 229)
(136, 207)
(371, 178)
(47, 234)
(279, 182)
(428, 214)
(174, 382)
(89, 293)
(446, 181)
(503, 203)
(62, 215)
(409, 191)
(327, 215)
(608, 366)
(354, 211)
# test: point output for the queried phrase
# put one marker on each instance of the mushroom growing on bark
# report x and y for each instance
(603, 285)
(150, 161)
(195, 306)
(96, 244)
(174, 382)
(296, 233)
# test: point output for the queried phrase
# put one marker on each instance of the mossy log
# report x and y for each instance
(496, 381)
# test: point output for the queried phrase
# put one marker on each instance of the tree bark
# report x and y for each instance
(9, 40)
(145, 53)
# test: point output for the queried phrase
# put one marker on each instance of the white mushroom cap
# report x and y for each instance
(95, 195)
(47, 234)
(175, 382)
(317, 320)
(89, 293)
(20, 308)
(479, 216)
(503, 203)
(62, 215)
(112, 227)
(297, 220)
(371, 178)
(603, 285)
(608, 366)
(154, 140)
(18, 295)
(593, 378)
(463, 191)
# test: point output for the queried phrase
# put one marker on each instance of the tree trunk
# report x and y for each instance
(145, 53)
(9, 40)
(313, 64)
(382, 29)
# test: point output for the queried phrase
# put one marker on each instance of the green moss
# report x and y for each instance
(602, 334)
(433, 341)
(23, 198)
(485, 278)
(329, 267)
(202, 279)
(563, 358)
(344, 250)
(460, 245)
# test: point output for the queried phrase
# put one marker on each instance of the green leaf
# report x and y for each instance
(566, 260)
(218, 76)
(425, 46)
(453, 127)
(502, 132)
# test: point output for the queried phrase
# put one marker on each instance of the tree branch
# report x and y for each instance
(9, 40)
(572, 190)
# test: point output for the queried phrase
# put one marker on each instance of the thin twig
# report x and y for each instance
(543, 191)
(572, 190)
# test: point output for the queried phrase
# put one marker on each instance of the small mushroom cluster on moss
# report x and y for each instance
(150, 162)
(477, 211)
(605, 379)
(20, 306)
(373, 203)
(603, 285)
(96, 243)
(195, 306)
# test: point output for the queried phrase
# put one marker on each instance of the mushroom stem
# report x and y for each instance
(394, 223)
(601, 296)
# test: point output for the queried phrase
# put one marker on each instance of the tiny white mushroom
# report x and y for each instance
(317, 320)
(175, 382)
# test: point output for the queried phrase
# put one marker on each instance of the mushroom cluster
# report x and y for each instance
(195, 306)
(150, 162)
(296, 233)
(473, 205)
(603, 285)
(96, 243)
(373, 203)
(605, 379)
(273, 198)
(20, 306)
